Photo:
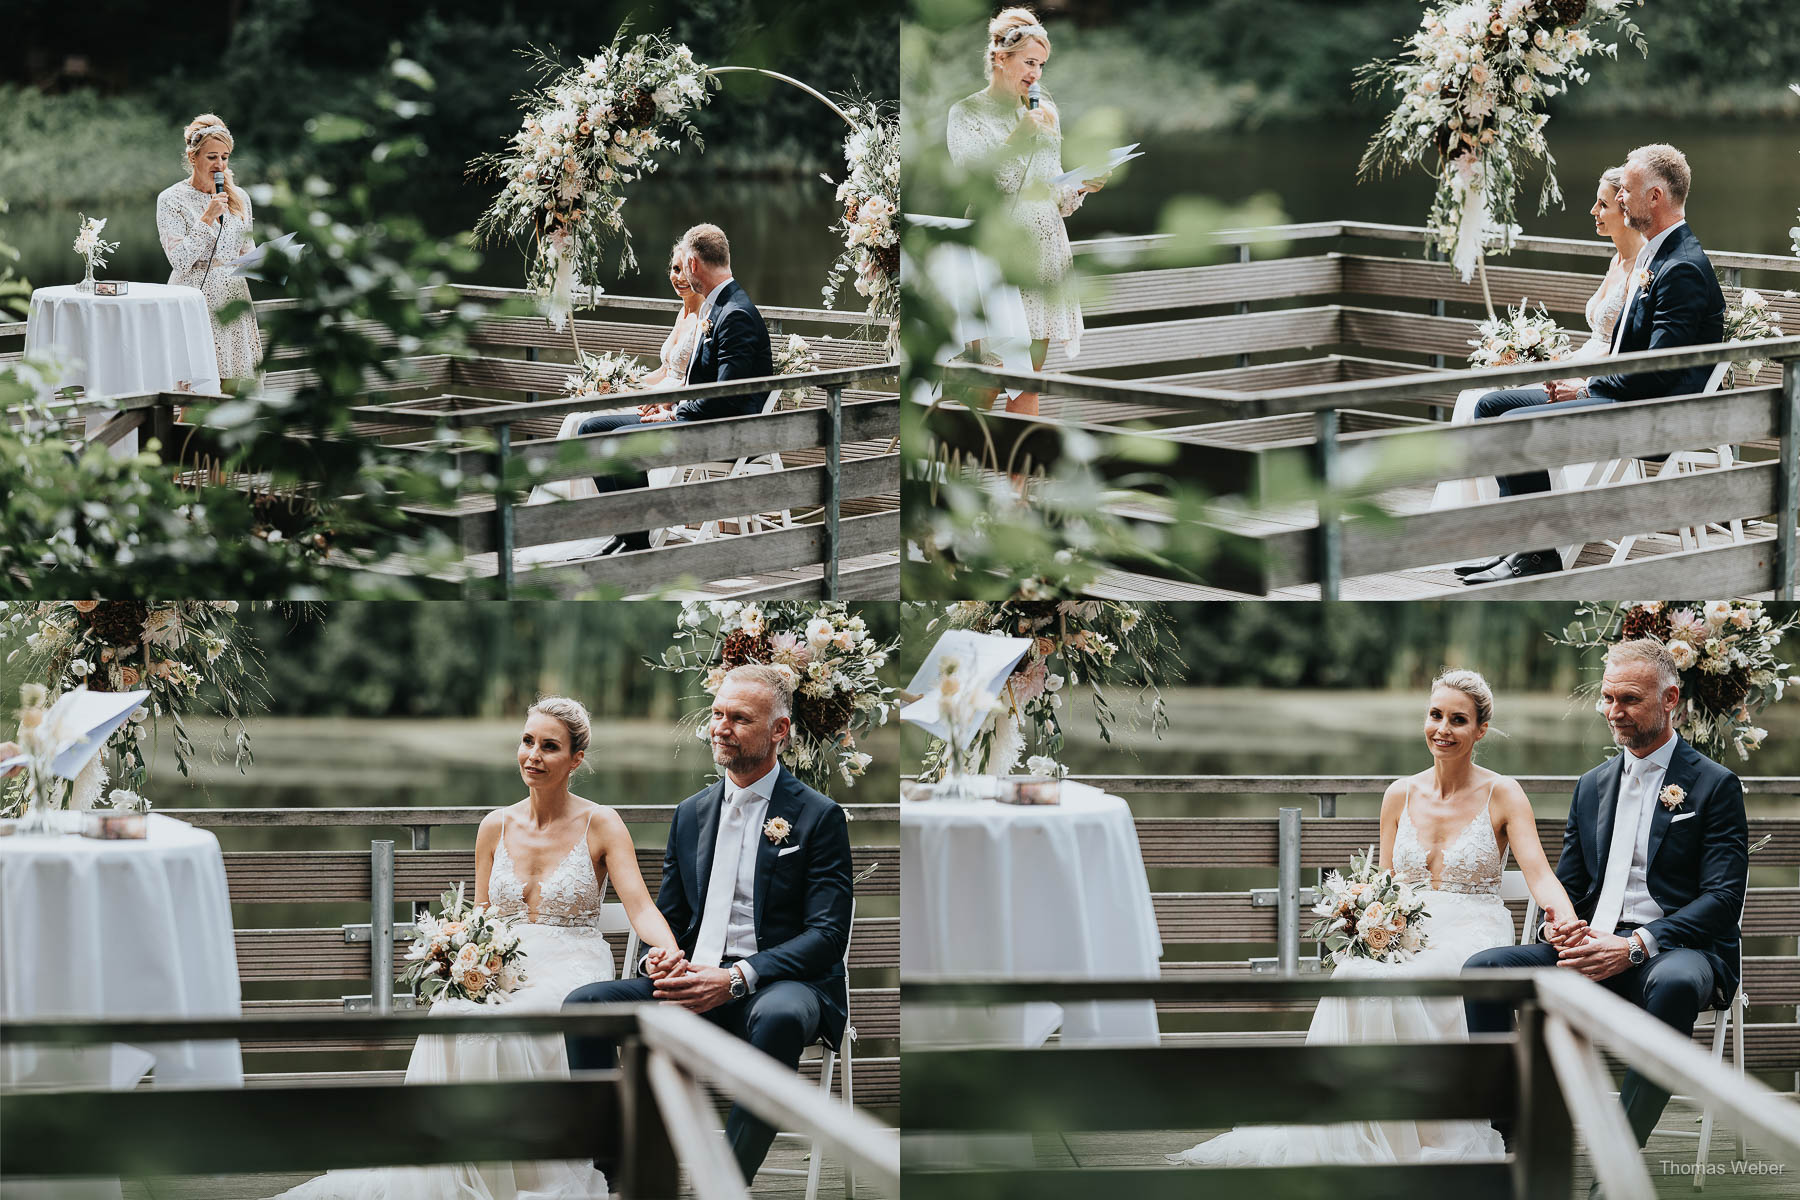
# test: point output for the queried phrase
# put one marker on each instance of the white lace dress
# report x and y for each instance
(979, 126)
(189, 243)
(1603, 309)
(563, 950)
(677, 353)
(1465, 915)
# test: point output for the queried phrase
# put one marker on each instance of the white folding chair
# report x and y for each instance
(827, 1059)
(1729, 1019)
(613, 923)
(759, 464)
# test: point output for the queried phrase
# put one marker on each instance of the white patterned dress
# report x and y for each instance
(564, 950)
(188, 242)
(976, 139)
(1465, 915)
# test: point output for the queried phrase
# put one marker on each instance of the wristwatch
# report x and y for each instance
(1636, 952)
(740, 989)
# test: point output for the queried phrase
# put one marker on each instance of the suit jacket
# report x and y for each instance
(803, 890)
(734, 344)
(1698, 857)
(1681, 306)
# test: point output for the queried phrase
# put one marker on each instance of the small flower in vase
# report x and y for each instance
(92, 248)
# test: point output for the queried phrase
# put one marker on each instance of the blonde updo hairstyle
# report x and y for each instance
(1004, 41)
(572, 713)
(202, 129)
(1472, 685)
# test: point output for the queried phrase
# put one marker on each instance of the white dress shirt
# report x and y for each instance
(740, 924)
(1632, 857)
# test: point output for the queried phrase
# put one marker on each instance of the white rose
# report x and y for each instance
(1682, 653)
(819, 631)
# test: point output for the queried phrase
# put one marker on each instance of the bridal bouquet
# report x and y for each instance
(588, 131)
(1104, 644)
(1367, 913)
(1521, 336)
(870, 195)
(1726, 651)
(1749, 320)
(192, 655)
(603, 374)
(1473, 82)
(464, 953)
(91, 247)
(825, 650)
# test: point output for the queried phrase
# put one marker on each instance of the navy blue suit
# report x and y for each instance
(734, 344)
(1698, 863)
(1681, 306)
(802, 901)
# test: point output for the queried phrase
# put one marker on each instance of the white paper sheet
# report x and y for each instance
(1115, 158)
(93, 717)
(988, 660)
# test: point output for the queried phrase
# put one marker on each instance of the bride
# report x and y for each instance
(1447, 828)
(547, 859)
(671, 372)
(1603, 309)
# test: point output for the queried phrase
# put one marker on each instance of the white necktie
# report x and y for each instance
(1624, 839)
(721, 886)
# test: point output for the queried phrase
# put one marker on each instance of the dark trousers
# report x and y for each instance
(1672, 987)
(1514, 400)
(781, 1019)
(640, 539)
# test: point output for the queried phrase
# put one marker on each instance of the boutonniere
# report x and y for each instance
(706, 327)
(1641, 279)
(777, 830)
(1672, 797)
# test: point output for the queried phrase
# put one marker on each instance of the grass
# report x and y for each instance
(57, 150)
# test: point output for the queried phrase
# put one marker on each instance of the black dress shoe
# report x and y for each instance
(1517, 566)
(1477, 568)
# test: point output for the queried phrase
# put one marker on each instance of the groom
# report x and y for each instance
(734, 344)
(1655, 860)
(1673, 300)
(757, 888)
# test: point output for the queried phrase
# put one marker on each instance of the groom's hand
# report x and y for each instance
(1562, 390)
(698, 989)
(660, 413)
(661, 963)
(1601, 956)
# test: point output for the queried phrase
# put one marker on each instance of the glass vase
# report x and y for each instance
(87, 280)
(40, 819)
(958, 782)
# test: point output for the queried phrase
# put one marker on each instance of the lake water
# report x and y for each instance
(779, 228)
(1746, 178)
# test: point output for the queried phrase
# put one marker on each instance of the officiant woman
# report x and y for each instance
(202, 229)
(1013, 129)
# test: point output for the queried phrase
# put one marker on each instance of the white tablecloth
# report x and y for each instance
(1002, 891)
(152, 338)
(120, 930)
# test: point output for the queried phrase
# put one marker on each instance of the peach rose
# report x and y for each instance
(1378, 938)
(128, 677)
(86, 606)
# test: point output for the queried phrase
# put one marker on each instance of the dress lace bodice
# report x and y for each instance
(1605, 305)
(1471, 863)
(569, 896)
(678, 352)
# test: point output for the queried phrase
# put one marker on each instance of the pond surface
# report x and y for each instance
(779, 228)
(1746, 178)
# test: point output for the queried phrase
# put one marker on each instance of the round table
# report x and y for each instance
(154, 337)
(117, 930)
(997, 891)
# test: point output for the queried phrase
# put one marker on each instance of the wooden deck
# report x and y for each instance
(786, 1154)
(1669, 1160)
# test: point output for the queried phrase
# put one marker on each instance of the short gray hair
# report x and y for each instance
(1651, 652)
(1669, 166)
(572, 713)
(709, 244)
(1472, 685)
(780, 688)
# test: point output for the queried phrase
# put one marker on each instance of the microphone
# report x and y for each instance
(219, 183)
(1034, 97)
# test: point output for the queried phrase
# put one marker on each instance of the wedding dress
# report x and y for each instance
(1603, 309)
(677, 353)
(563, 950)
(1465, 915)
(190, 245)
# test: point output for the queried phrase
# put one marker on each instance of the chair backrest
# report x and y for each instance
(774, 401)
(1513, 886)
(613, 922)
(1717, 378)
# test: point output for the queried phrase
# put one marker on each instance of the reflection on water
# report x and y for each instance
(1746, 178)
(779, 229)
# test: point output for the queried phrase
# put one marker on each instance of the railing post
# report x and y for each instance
(421, 840)
(649, 1169)
(1543, 1135)
(1243, 306)
(1327, 808)
(834, 470)
(1287, 896)
(381, 927)
(1787, 491)
(1438, 361)
(503, 512)
(1329, 553)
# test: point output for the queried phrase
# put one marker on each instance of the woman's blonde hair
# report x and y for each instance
(199, 131)
(1472, 685)
(1007, 30)
(572, 713)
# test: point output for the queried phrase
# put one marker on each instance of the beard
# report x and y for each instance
(1639, 736)
(1634, 220)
